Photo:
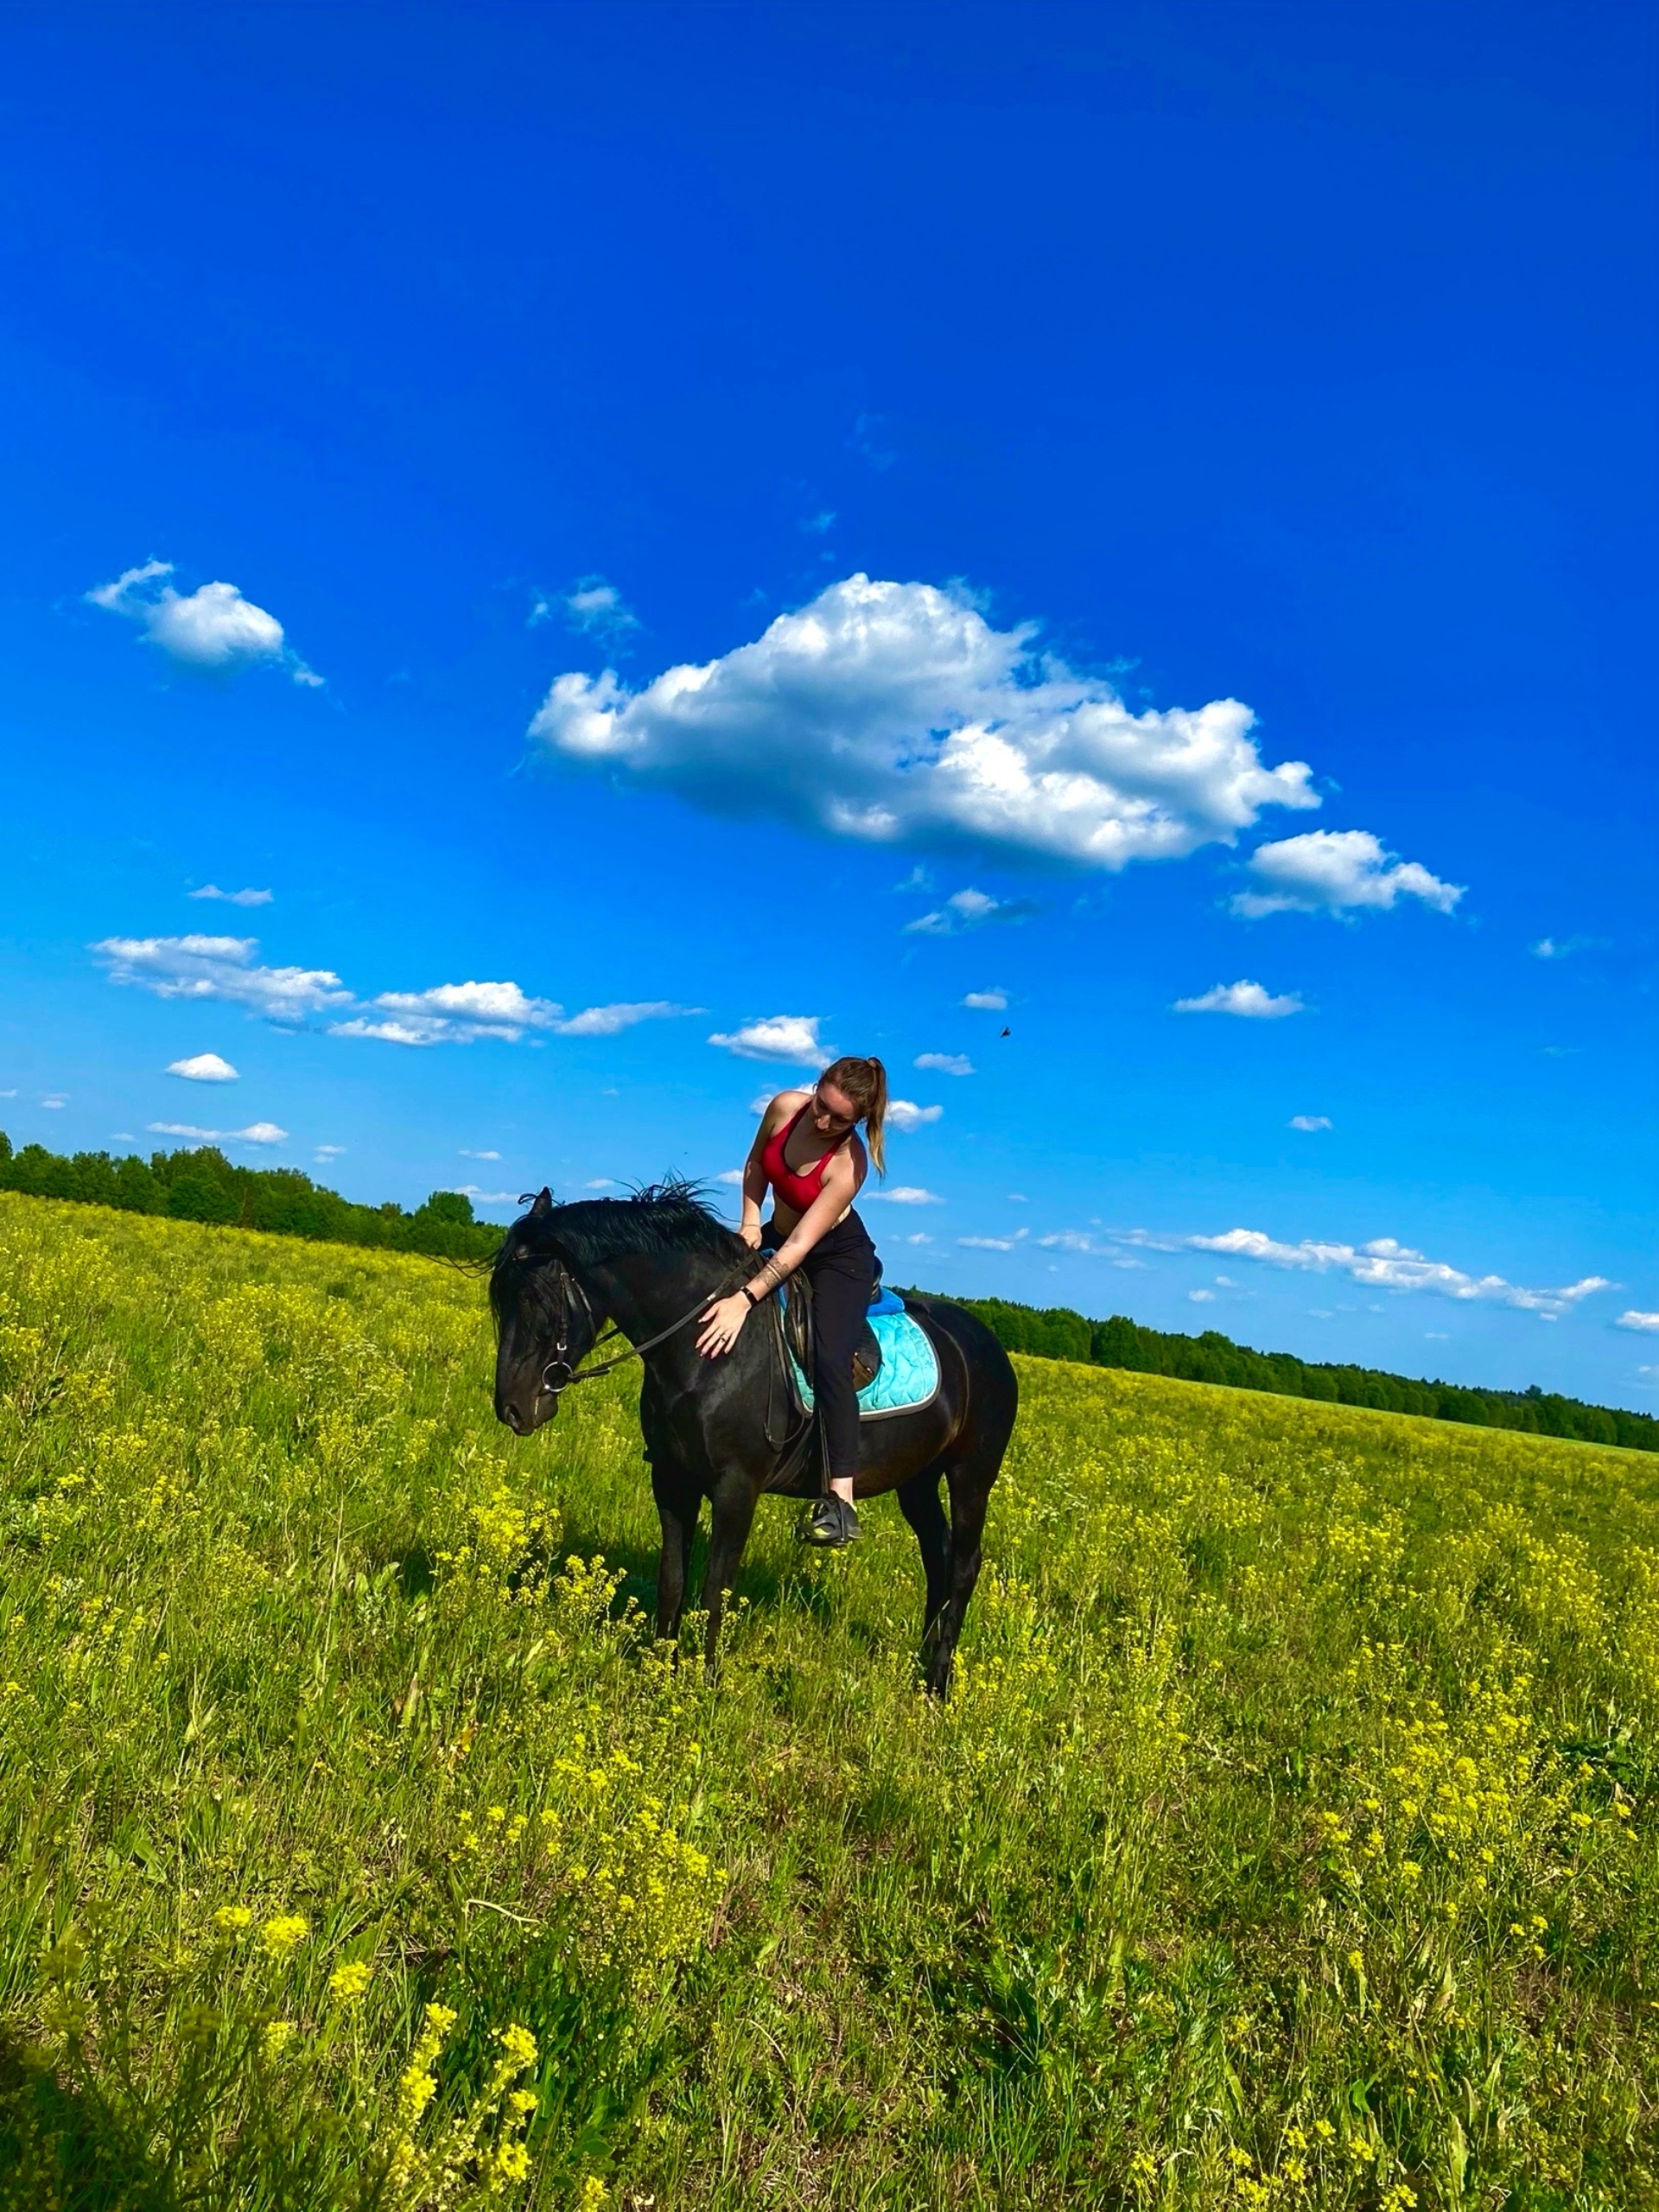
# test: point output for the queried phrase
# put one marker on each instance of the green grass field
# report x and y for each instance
(1289, 1841)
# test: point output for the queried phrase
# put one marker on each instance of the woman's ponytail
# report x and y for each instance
(865, 1082)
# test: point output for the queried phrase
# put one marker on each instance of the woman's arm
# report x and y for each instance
(841, 1180)
(755, 1179)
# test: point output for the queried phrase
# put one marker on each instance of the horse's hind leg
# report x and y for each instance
(678, 1503)
(970, 1490)
(918, 1501)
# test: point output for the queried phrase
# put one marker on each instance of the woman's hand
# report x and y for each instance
(723, 1325)
(751, 1233)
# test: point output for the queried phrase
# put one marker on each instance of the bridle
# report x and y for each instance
(560, 1364)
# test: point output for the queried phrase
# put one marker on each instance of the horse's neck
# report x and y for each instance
(644, 1293)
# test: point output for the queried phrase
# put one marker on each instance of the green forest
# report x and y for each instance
(204, 1185)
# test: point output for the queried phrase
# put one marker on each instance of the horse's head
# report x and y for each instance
(545, 1323)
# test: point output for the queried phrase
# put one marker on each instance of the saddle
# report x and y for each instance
(796, 1298)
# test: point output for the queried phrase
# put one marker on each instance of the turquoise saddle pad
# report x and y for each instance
(909, 1375)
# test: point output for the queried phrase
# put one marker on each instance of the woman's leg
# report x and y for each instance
(842, 1271)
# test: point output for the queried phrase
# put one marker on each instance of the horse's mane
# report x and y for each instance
(674, 1216)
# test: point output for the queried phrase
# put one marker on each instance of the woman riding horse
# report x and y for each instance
(808, 1151)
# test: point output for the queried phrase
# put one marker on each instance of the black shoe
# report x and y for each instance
(831, 1523)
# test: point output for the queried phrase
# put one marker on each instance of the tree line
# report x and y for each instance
(1057, 1332)
(204, 1185)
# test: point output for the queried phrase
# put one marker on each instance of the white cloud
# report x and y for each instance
(1250, 1000)
(815, 525)
(12, 1093)
(220, 968)
(597, 608)
(256, 1133)
(945, 1063)
(890, 711)
(55, 1103)
(903, 1194)
(918, 1237)
(452, 1014)
(904, 1117)
(1632, 1320)
(467, 1152)
(329, 1151)
(986, 1002)
(611, 1020)
(1331, 871)
(213, 628)
(729, 1175)
(994, 1244)
(1202, 1297)
(1309, 1121)
(233, 898)
(203, 1067)
(1068, 1240)
(1563, 948)
(1386, 1264)
(486, 1198)
(966, 910)
(790, 1038)
(602, 1183)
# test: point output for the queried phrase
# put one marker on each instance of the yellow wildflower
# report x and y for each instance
(347, 1983)
(284, 1933)
(232, 1917)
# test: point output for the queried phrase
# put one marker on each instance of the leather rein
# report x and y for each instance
(560, 1358)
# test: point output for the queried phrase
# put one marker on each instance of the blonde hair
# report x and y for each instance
(865, 1082)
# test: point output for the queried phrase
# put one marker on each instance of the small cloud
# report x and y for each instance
(1202, 1297)
(729, 1175)
(1632, 1320)
(790, 1038)
(815, 525)
(1437, 1336)
(54, 1101)
(256, 1133)
(1247, 999)
(213, 628)
(611, 1020)
(12, 1093)
(917, 1237)
(1563, 948)
(986, 1002)
(485, 1198)
(870, 441)
(203, 1067)
(945, 1063)
(966, 910)
(1017, 1198)
(918, 879)
(903, 1194)
(994, 1243)
(602, 1183)
(468, 1153)
(904, 1116)
(1068, 1240)
(233, 898)
(597, 608)
(1337, 871)
(329, 1151)
(1309, 1121)
(761, 1101)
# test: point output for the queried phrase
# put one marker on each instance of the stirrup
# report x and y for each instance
(831, 1524)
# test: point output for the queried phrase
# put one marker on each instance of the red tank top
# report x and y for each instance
(796, 1191)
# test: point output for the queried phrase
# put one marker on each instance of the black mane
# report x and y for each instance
(669, 1217)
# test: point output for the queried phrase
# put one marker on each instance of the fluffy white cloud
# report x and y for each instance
(256, 1133)
(1386, 1264)
(233, 898)
(1563, 948)
(1632, 1320)
(729, 1175)
(904, 1116)
(1309, 1121)
(887, 711)
(486, 1198)
(986, 1002)
(203, 1067)
(220, 968)
(945, 1063)
(328, 1152)
(966, 910)
(1332, 871)
(903, 1194)
(467, 1152)
(1202, 1297)
(213, 627)
(790, 1038)
(611, 1020)
(994, 1243)
(451, 1014)
(1250, 1000)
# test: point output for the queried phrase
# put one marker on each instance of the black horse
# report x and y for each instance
(716, 1428)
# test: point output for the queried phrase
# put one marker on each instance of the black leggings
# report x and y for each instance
(842, 1269)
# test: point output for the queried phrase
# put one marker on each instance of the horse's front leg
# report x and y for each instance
(679, 1501)
(734, 1502)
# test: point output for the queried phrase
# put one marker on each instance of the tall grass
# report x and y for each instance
(1287, 1843)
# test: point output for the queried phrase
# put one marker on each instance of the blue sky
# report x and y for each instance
(1160, 499)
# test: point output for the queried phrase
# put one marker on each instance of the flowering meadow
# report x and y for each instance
(1289, 1841)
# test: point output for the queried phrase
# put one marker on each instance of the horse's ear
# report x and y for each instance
(543, 1205)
